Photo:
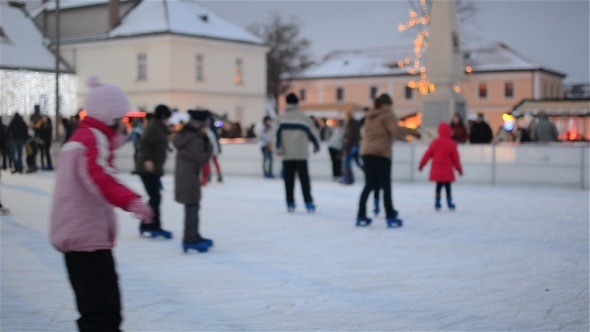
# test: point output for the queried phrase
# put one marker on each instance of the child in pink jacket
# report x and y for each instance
(83, 222)
(445, 158)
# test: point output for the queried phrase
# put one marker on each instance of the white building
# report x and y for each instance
(177, 53)
(27, 68)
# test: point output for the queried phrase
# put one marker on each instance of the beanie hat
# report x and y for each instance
(105, 102)
(292, 99)
(162, 112)
(199, 115)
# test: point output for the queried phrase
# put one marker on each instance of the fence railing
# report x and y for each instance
(559, 164)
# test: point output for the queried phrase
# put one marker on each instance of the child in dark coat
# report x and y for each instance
(193, 151)
(445, 157)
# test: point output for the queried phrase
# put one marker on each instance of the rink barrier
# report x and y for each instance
(553, 164)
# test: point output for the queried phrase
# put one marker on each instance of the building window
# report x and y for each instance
(238, 78)
(373, 92)
(302, 95)
(142, 67)
(483, 90)
(409, 93)
(508, 90)
(339, 94)
(199, 67)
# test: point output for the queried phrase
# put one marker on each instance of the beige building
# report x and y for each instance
(497, 78)
(177, 53)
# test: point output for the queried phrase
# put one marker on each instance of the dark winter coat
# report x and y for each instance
(193, 151)
(480, 133)
(444, 155)
(17, 129)
(352, 134)
(153, 146)
(46, 130)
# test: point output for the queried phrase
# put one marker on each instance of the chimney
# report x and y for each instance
(113, 13)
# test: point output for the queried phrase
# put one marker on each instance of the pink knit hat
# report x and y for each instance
(105, 102)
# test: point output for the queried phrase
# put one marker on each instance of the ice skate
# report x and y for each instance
(376, 208)
(208, 242)
(437, 203)
(198, 246)
(450, 204)
(363, 221)
(153, 233)
(394, 222)
(290, 207)
(4, 211)
(310, 207)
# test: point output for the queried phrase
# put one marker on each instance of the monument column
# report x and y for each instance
(444, 67)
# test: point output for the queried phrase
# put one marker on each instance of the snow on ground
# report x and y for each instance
(509, 259)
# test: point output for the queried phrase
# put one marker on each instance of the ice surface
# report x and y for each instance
(509, 259)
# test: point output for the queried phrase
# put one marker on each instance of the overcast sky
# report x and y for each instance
(555, 33)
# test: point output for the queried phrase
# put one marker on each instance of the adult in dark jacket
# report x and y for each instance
(544, 130)
(4, 147)
(193, 151)
(381, 129)
(17, 135)
(149, 164)
(445, 158)
(46, 136)
(481, 133)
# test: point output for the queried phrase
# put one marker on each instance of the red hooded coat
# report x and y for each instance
(443, 152)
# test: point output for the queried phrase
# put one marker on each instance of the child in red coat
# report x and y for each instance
(445, 156)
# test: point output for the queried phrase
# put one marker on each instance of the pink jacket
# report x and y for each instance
(83, 216)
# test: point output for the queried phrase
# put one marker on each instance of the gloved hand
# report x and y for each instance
(316, 149)
(141, 210)
(420, 169)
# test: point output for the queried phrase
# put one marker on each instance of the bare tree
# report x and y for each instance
(288, 54)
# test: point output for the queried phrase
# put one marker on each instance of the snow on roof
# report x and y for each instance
(68, 4)
(383, 61)
(182, 17)
(22, 44)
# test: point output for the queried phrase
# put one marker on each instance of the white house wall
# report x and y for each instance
(171, 73)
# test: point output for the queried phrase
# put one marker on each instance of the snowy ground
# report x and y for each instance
(509, 259)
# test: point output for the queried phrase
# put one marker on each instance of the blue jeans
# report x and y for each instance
(16, 151)
(347, 166)
(266, 161)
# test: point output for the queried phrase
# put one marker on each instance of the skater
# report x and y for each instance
(149, 164)
(350, 148)
(4, 146)
(335, 148)
(31, 149)
(17, 136)
(445, 157)
(45, 136)
(265, 143)
(381, 129)
(214, 140)
(294, 131)
(193, 151)
(83, 221)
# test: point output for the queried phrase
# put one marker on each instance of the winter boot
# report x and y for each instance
(290, 207)
(198, 246)
(437, 203)
(450, 204)
(310, 207)
(363, 221)
(376, 209)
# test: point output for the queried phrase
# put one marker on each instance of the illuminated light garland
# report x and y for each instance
(21, 90)
(420, 43)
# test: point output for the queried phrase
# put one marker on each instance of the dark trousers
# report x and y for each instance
(351, 154)
(95, 283)
(266, 161)
(447, 186)
(46, 154)
(153, 187)
(377, 176)
(191, 223)
(291, 168)
(336, 157)
(6, 161)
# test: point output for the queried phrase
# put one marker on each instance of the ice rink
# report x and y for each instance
(508, 259)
